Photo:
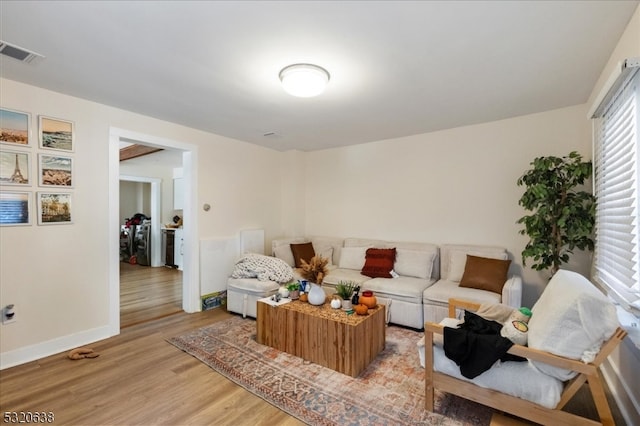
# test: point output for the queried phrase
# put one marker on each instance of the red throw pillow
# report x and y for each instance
(379, 262)
(302, 251)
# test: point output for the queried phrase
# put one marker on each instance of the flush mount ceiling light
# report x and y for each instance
(304, 80)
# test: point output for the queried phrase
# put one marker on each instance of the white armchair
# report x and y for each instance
(572, 331)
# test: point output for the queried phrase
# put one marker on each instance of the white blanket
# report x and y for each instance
(264, 268)
(572, 318)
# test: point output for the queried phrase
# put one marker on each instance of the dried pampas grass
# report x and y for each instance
(315, 270)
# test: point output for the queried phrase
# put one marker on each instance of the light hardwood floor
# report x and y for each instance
(140, 379)
(148, 293)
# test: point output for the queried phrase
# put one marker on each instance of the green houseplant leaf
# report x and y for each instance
(562, 218)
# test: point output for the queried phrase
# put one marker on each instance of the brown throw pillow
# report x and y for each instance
(485, 274)
(302, 251)
(378, 263)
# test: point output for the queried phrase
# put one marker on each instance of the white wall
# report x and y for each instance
(57, 276)
(452, 186)
(158, 165)
(135, 197)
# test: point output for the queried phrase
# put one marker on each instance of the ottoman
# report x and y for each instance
(243, 294)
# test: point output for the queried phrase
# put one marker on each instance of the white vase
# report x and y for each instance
(316, 295)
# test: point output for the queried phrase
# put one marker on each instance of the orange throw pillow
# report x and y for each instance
(485, 274)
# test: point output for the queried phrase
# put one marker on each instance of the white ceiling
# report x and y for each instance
(397, 68)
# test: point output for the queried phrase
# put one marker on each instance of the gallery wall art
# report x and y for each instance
(53, 170)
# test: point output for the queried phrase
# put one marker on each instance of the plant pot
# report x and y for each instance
(294, 294)
(346, 305)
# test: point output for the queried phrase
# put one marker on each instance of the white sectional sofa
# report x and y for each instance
(453, 257)
(417, 294)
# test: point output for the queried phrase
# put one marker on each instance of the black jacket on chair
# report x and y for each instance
(476, 345)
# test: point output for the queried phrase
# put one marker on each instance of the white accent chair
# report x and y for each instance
(572, 331)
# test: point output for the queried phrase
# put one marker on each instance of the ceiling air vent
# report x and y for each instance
(18, 53)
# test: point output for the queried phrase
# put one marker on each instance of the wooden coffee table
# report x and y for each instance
(320, 334)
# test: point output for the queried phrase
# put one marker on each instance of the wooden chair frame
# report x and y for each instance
(589, 373)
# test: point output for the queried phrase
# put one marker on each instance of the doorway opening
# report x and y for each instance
(190, 288)
(148, 289)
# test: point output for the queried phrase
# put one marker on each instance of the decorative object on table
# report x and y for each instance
(355, 297)
(336, 302)
(361, 309)
(368, 299)
(276, 297)
(294, 290)
(283, 291)
(315, 270)
(345, 289)
(563, 218)
(316, 295)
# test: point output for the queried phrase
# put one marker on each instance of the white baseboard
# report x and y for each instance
(52, 347)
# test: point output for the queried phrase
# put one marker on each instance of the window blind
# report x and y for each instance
(616, 162)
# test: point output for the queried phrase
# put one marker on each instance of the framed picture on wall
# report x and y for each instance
(54, 208)
(55, 170)
(56, 133)
(15, 127)
(15, 168)
(15, 208)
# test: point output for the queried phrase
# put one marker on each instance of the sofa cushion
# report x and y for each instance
(303, 251)
(339, 274)
(443, 290)
(572, 318)
(326, 245)
(252, 285)
(281, 248)
(352, 258)
(284, 252)
(326, 253)
(408, 289)
(453, 258)
(414, 263)
(485, 274)
(379, 262)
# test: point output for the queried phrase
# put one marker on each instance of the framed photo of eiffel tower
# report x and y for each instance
(15, 168)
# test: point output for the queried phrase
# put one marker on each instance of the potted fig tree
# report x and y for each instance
(562, 215)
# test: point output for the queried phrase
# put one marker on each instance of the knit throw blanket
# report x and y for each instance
(264, 268)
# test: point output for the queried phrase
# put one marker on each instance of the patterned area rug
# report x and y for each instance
(388, 392)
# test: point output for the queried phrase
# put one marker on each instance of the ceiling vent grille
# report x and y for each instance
(18, 53)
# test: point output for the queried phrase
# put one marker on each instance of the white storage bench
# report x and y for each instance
(243, 294)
